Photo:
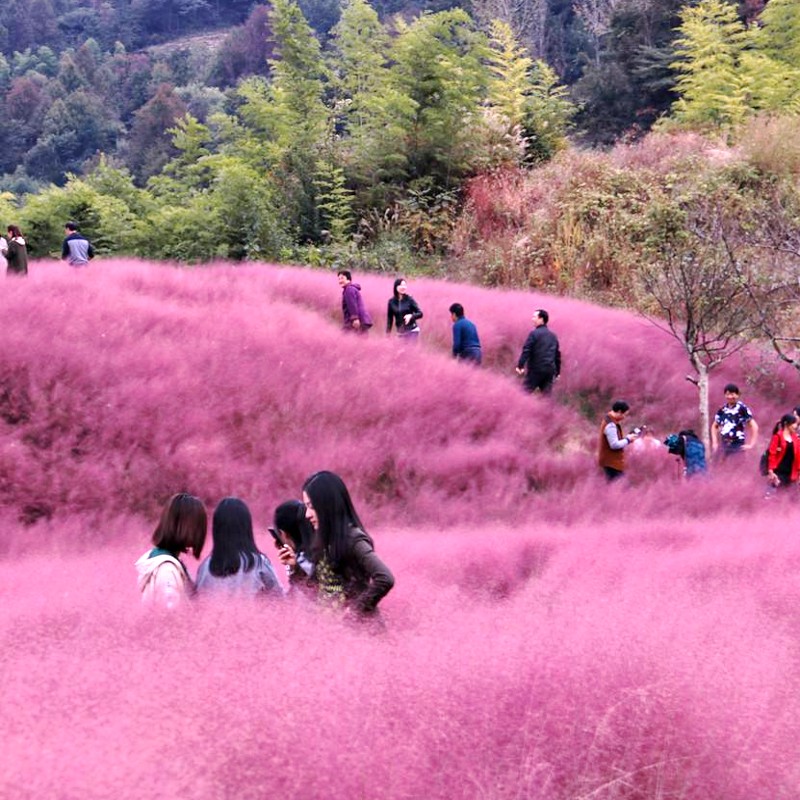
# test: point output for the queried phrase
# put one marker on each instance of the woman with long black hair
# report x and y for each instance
(347, 570)
(235, 563)
(403, 312)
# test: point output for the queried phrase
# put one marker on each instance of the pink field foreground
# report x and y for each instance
(549, 637)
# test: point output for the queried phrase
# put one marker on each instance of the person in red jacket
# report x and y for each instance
(783, 456)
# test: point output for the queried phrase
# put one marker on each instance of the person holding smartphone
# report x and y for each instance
(347, 570)
(293, 536)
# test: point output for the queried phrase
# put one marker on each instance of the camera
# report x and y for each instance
(640, 430)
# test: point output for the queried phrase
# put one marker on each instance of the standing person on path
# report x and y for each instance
(540, 359)
(17, 255)
(611, 453)
(728, 431)
(403, 312)
(783, 455)
(356, 317)
(76, 250)
(466, 342)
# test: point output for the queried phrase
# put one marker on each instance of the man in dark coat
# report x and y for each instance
(540, 360)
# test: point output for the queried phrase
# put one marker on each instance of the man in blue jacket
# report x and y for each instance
(76, 249)
(466, 343)
(540, 360)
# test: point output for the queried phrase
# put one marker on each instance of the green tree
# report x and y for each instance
(548, 114)
(509, 85)
(781, 21)
(375, 114)
(711, 86)
(438, 66)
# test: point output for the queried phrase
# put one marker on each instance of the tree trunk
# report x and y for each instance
(702, 390)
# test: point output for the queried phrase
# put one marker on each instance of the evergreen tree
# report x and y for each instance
(781, 21)
(509, 85)
(438, 66)
(711, 86)
(373, 111)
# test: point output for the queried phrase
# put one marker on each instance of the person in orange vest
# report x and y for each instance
(611, 453)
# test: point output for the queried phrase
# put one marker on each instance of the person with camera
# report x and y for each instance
(612, 443)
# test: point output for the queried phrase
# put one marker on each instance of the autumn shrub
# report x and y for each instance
(585, 223)
(772, 144)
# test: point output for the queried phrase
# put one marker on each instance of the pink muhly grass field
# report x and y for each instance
(548, 637)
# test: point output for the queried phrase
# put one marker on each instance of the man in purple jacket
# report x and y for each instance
(356, 316)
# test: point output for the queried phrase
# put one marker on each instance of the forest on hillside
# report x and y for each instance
(433, 140)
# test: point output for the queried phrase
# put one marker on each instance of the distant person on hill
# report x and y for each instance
(236, 565)
(76, 250)
(728, 431)
(349, 573)
(3, 251)
(17, 253)
(466, 342)
(783, 455)
(540, 359)
(294, 542)
(163, 577)
(403, 312)
(356, 316)
(612, 444)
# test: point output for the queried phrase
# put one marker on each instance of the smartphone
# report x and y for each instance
(279, 543)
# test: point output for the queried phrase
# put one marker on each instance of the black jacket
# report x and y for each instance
(397, 309)
(541, 352)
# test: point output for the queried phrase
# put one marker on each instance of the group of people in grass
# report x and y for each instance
(321, 542)
(76, 249)
(734, 431)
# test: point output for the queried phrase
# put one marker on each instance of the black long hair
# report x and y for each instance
(232, 531)
(335, 513)
(290, 517)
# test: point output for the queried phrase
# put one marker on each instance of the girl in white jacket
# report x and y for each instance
(163, 577)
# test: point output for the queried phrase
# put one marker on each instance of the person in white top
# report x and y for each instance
(162, 577)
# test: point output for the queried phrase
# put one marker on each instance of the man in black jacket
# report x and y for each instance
(540, 360)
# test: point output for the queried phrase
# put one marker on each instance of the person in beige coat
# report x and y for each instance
(162, 577)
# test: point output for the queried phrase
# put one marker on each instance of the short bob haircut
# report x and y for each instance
(14, 231)
(543, 315)
(621, 407)
(232, 530)
(346, 273)
(731, 387)
(457, 309)
(182, 526)
(335, 513)
(397, 282)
